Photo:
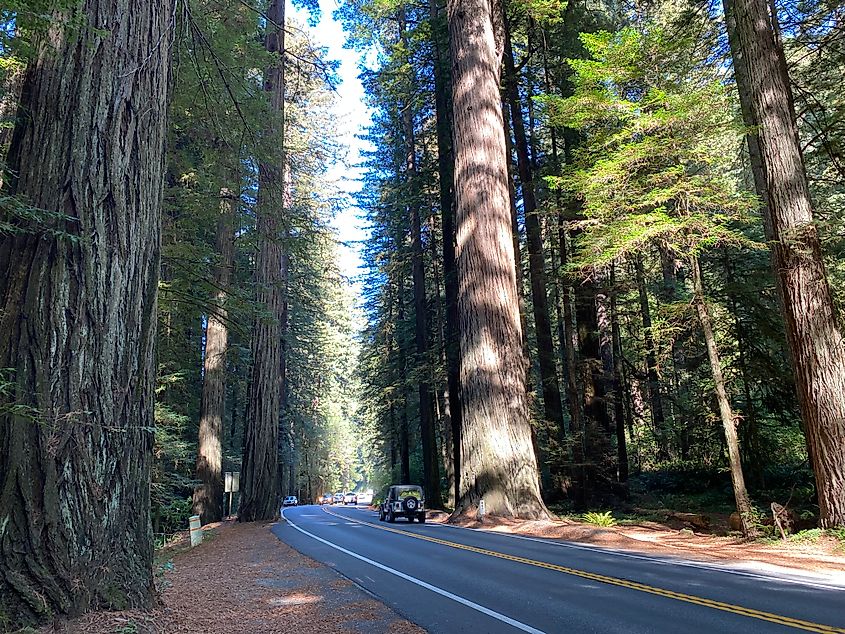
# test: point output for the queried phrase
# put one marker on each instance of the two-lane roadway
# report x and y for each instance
(449, 579)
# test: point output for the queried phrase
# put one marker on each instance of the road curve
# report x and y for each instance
(448, 579)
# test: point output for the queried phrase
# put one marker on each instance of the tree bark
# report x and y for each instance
(208, 496)
(78, 316)
(260, 470)
(536, 260)
(743, 503)
(814, 336)
(498, 463)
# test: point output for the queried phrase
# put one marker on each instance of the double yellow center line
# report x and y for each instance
(614, 581)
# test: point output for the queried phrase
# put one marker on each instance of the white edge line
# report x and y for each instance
(470, 604)
(818, 581)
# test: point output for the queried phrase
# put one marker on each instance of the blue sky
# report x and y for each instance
(351, 119)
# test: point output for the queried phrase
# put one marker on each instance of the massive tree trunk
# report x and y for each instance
(743, 504)
(260, 472)
(442, 88)
(78, 316)
(431, 469)
(536, 261)
(208, 496)
(815, 338)
(498, 463)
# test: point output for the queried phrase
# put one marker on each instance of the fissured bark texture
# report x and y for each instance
(78, 316)
(498, 463)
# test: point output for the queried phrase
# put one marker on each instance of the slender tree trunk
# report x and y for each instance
(520, 287)
(750, 430)
(743, 504)
(577, 425)
(498, 462)
(536, 261)
(670, 268)
(208, 496)
(444, 413)
(260, 470)
(404, 431)
(618, 383)
(655, 395)
(78, 316)
(431, 469)
(815, 338)
(442, 89)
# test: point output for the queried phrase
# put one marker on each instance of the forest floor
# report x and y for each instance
(243, 579)
(809, 551)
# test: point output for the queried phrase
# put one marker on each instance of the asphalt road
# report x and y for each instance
(450, 580)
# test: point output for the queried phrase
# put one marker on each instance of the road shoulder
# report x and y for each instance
(243, 579)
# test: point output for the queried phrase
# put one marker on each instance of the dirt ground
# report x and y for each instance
(824, 556)
(243, 579)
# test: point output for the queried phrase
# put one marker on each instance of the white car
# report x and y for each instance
(350, 498)
(290, 500)
(365, 498)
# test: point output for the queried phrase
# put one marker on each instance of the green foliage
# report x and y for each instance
(657, 160)
(599, 519)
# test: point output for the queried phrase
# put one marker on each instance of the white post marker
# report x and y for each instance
(196, 530)
(481, 508)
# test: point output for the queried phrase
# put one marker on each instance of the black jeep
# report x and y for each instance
(403, 500)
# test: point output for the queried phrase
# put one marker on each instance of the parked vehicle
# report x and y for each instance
(403, 500)
(365, 498)
(290, 500)
(338, 498)
(350, 498)
(325, 499)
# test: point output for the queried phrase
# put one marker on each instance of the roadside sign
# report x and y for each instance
(232, 482)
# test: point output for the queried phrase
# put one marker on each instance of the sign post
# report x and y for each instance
(231, 484)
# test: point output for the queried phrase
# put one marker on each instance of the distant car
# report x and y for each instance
(403, 500)
(326, 499)
(338, 498)
(365, 498)
(290, 500)
(350, 498)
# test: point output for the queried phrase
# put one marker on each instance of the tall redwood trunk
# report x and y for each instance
(260, 472)
(536, 260)
(815, 338)
(208, 496)
(78, 316)
(498, 463)
(743, 503)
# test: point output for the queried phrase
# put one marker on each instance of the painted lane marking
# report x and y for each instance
(454, 597)
(808, 626)
(818, 582)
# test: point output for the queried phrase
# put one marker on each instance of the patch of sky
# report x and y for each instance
(351, 119)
